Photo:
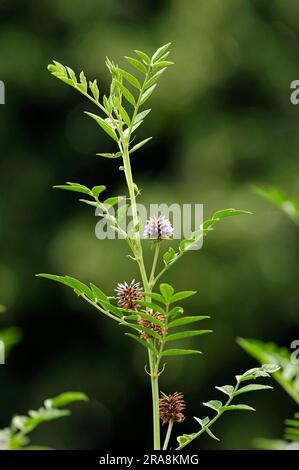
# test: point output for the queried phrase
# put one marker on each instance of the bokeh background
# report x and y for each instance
(222, 122)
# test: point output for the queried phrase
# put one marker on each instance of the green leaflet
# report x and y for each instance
(147, 93)
(182, 295)
(78, 286)
(175, 311)
(207, 225)
(252, 388)
(130, 78)
(229, 213)
(169, 296)
(209, 432)
(94, 90)
(186, 439)
(97, 190)
(143, 56)
(98, 293)
(162, 63)
(122, 111)
(186, 320)
(127, 94)
(139, 145)
(180, 352)
(237, 407)
(155, 296)
(68, 76)
(142, 115)
(227, 389)
(110, 155)
(167, 292)
(89, 203)
(186, 334)
(169, 256)
(104, 125)
(137, 64)
(111, 308)
(263, 371)
(79, 188)
(112, 201)
(65, 399)
(83, 82)
(203, 423)
(121, 212)
(145, 344)
(159, 52)
(94, 294)
(215, 405)
(155, 77)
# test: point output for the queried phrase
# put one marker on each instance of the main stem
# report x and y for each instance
(139, 258)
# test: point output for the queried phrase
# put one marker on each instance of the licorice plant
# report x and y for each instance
(152, 316)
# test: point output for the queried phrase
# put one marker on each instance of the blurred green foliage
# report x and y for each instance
(16, 436)
(277, 197)
(222, 121)
(288, 375)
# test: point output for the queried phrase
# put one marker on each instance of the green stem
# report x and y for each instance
(139, 258)
(168, 434)
(155, 260)
(138, 253)
(156, 412)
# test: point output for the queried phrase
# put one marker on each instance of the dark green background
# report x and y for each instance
(222, 121)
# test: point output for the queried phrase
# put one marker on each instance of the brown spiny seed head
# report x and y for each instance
(152, 326)
(171, 407)
(128, 295)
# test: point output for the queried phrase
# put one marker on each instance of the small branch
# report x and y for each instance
(168, 434)
(219, 413)
(102, 310)
(161, 273)
(155, 260)
(97, 103)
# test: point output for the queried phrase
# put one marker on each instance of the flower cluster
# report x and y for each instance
(158, 228)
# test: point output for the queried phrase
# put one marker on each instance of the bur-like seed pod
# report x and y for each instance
(152, 326)
(171, 407)
(158, 228)
(128, 295)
